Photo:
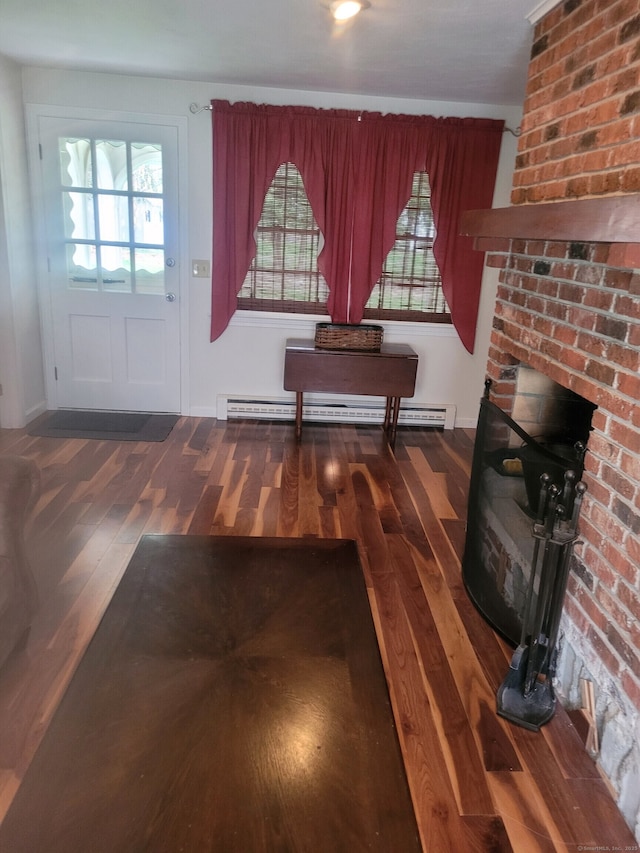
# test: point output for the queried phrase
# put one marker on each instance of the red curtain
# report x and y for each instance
(462, 161)
(388, 150)
(357, 169)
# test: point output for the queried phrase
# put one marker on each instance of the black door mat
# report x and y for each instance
(104, 426)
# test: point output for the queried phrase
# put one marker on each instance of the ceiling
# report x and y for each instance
(452, 50)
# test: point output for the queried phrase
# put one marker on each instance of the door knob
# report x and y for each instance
(170, 297)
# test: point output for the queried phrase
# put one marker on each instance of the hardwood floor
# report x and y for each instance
(478, 783)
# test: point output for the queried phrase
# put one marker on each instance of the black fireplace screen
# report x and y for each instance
(505, 488)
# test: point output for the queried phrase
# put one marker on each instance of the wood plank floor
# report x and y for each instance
(478, 783)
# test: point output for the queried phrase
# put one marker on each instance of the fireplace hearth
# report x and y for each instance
(567, 258)
(569, 311)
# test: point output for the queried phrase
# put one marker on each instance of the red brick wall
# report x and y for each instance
(564, 311)
(581, 126)
(571, 311)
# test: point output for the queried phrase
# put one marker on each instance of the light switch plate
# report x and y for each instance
(200, 269)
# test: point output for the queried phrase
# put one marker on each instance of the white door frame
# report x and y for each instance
(33, 112)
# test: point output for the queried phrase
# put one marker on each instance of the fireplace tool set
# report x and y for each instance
(526, 695)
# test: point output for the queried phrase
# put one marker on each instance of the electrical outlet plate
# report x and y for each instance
(200, 269)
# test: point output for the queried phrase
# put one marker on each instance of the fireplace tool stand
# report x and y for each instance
(526, 695)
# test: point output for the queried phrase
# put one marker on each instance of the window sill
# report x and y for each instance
(305, 323)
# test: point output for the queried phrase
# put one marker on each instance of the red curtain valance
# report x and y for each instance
(357, 169)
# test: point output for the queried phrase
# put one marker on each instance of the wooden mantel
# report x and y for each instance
(605, 219)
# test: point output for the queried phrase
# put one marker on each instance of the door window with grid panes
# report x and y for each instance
(113, 203)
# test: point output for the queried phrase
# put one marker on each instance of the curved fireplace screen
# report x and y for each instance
(504, 497)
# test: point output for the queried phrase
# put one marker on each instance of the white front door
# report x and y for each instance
(111, 223)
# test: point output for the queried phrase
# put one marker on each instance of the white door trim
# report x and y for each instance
(33, 112)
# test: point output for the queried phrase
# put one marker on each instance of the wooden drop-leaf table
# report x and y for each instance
(389, 372)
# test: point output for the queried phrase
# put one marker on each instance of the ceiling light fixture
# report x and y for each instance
(342, 10)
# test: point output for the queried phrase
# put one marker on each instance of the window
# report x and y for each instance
(113, 202)
(410, 287)
(284, 274)
(358, 168)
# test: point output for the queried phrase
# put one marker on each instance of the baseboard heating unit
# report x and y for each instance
(347, 411)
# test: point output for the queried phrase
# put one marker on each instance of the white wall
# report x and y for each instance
(248, 358)
(20, 352)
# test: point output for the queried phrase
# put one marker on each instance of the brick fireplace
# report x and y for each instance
(568, 306)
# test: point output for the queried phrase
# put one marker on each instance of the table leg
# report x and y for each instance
(395, 411)
(387, 414)
(298, 415)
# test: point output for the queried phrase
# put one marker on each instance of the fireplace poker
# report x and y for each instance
(538, 533)
(547, 574)
(561, 586)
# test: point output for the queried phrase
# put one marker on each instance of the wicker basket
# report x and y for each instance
(348, 336)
